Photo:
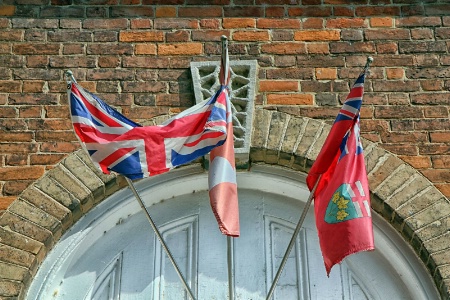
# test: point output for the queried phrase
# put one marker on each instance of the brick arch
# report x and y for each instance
(34, 223)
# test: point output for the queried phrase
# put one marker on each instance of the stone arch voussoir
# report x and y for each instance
(33, 223)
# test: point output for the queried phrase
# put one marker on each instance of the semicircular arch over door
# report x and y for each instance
(112, 253)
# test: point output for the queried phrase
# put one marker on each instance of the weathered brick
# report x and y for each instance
(35, 215)
(421, 47)
(13, 272)
(284, 48)
(290, 99)
(9, 288)
(72, 62)
(166, 12)
(326, 73)
(109, 24)
(347, 47)
(290, 73)
(229, 23)
(430, 98)
(251, 36)
(176, 23)
(20, 173)
(7, 10)
(381, 22)
(110, 49)
(180, 49)
(195, 11)
(243, 11)
(346, 23)
(178, 36)
(141, 36)
(317, 35)
(277, 86)
(209, 35)
(26, 228)
(277, 23)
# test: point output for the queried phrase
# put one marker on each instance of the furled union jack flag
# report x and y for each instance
(118, 144)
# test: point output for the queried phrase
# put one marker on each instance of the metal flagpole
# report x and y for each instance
(224, 80)
(230, 261)
(155, 229)
(160, 238)
(294, 237)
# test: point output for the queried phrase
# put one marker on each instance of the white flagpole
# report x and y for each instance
(160, 238)
(293, 238)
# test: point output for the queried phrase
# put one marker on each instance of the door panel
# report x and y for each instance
(113, 253)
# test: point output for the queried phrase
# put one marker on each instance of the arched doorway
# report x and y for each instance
(112, 251)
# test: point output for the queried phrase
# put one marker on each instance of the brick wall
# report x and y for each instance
(135, 54)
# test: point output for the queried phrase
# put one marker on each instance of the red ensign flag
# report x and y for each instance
(341, 199)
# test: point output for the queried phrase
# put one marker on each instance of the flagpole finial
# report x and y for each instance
(368, 62)
(69, 76)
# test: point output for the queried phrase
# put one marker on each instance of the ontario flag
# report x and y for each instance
(341, 198)
(222, 170)
(118, 144)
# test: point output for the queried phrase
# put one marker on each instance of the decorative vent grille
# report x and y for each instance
(205, 76)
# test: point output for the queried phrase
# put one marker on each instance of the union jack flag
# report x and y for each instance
(118, 144)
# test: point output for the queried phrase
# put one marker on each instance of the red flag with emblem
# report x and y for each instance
(341, 199)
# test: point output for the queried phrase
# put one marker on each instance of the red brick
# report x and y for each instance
(5, 202)
(387, 48)
(36, 48)
(278, 86)
(366, 11)
(441, 161)
(109, 61)
(21, 173)
(105, 24)
(166, 12)
(180, 49)
(436, 112)
(49, 124)
(401, 149)
(209, 35)
(251, 36)
(60, 147)
(176, 23)
(317, 35)
(46, 159)
(141, 36)
(13, 35)
(317, 48)
(440, 137)
(14, 188)
(7, 10)
(395, 73)
(444, 188)
(141, 23)
(32, 86)
(145, 49)
(284, 48)
(346, 23)
(313, 23)
(395, 112)
(430, 99)
(431, 85)
(387, 34)
(8, 136)
(55, 135)
(417, 162)
(418, 21)
(278, 23)
(210, 23)
(290, 99)
(7, 86)
(205, 12)
(381, 22)
(437, 175)
(434, 149)
(229, 23)
(326, 73)
(8, 112)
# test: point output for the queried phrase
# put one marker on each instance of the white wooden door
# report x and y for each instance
(115, 254)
